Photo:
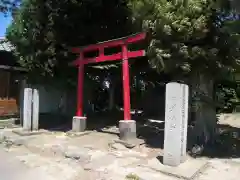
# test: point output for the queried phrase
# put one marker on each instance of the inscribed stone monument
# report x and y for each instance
(185, 112)
(176, 123)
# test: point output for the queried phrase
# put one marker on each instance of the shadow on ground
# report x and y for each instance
(60, 122)
(55, 122)
(106, 122)
(151, 132)
(226, 145)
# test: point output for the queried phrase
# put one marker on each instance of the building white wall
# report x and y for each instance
(57, 100)
(50, 99)
(53, 100)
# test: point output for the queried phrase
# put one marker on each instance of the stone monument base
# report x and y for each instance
(188, 170)
(127, 130)
(22, 132)
(79, 124)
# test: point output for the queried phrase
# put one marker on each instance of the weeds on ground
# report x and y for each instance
(132, 177)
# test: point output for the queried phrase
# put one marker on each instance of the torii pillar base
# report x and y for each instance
(79, 124)
(127, 129)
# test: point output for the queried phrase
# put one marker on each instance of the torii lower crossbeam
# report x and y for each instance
(79, 121)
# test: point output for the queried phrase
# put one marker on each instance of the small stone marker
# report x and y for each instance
(35, 116)
(176, 123)
(27, 109)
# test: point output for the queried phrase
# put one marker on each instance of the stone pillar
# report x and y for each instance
(27, 109)
(35, 110)
(79, 124)
(30, 110)
(185, 113)
(176, 124)
(127, 127)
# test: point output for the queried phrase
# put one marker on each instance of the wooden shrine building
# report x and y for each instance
(10, 81)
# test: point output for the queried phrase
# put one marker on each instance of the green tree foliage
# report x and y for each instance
(197, 38)
(43, 31)
(227, 95)
(196, 41)
(188, 35)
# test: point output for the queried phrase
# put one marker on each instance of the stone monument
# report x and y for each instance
(35, 110)
(176, 124)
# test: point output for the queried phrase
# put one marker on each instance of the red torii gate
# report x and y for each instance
(127, 127)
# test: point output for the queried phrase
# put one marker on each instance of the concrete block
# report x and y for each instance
(77, 134)
(188, 170)
(127, 129)
(79, 124)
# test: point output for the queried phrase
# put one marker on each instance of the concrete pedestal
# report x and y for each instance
(127, 129)
(79, 124)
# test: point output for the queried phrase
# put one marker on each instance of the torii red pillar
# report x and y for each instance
(126, 88)
(80, 88)
(124, 55)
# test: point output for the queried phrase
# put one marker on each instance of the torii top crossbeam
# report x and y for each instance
(123, 55)
(108, 44)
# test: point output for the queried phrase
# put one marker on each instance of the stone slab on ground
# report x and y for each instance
(77, 153)
(235, 160)
(100, 162)
(134, 172)
(95, 140)
(129, 153)
(19, 141)
(46, 150)
(220, 169)
(104, 161)
(130, 143)
(48, 145)
(7, 137)
(141, 173)
(117, 146)
(9, 123)
(22, 132)
(57, 168)
(77, 134)
(117, 163)
(112, 129)
(187, 170)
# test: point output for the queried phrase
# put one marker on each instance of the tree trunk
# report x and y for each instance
(204, 110)
(111, 97)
